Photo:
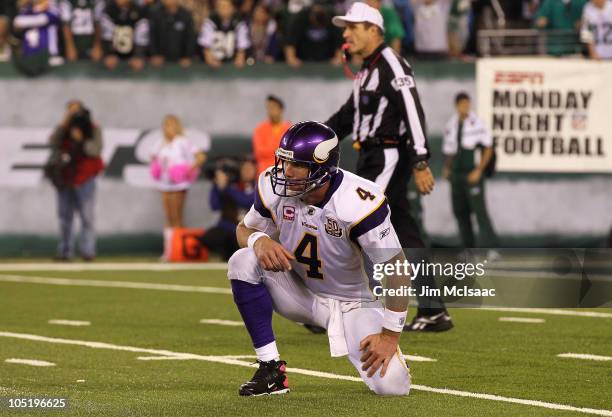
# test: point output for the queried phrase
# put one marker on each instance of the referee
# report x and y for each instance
(387, 123)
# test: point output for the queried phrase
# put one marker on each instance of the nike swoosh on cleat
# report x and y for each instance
(271, 385)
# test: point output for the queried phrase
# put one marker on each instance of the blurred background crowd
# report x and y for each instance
(38, 33)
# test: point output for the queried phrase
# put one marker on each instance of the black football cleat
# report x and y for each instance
(269, 379)
(440, 322)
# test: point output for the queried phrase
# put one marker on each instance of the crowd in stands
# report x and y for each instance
(242, 32)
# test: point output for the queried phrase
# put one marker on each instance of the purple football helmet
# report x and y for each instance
(312, 144)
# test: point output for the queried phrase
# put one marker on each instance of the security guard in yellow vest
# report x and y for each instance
(468, 147)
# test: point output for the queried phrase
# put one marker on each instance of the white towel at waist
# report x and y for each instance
(335, 326)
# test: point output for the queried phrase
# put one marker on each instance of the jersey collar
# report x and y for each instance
(373, 57)
(335, 182)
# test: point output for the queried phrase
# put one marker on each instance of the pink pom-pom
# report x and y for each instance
(183, 173)
(155, 169)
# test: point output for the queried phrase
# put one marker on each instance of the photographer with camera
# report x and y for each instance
(232, 194)
(76, 145)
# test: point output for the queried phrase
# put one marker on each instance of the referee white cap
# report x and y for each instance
(359, 13)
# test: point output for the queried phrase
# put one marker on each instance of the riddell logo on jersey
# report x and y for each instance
(518, 77)
(289, 213)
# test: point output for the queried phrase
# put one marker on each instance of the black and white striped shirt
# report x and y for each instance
(384, 104)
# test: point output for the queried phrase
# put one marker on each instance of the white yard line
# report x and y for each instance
(414, 358)
(222, 322)
(232, 361)
(164, 358)
(585, 356)
(187, 358)
(70, 322)
(521, 320)
(112, 266)
(228, 291)
(113, 284)
(30, 362)
(496, 269)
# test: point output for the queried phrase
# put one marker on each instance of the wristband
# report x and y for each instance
(253, 237)
(394, 320)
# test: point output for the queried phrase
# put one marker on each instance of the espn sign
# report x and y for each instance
(518, 77)
(546, 114)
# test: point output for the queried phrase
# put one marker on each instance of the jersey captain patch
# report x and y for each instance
(289, 213)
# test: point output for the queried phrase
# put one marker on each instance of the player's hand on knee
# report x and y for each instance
(272, 256)
(378, 350)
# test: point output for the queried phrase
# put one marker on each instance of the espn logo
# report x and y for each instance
(518, 77)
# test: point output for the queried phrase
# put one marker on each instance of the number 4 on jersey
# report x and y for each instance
(364, 195)
(307, 253)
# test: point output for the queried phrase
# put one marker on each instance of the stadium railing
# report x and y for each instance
(509, 42)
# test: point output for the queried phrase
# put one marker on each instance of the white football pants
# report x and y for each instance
(292, 300)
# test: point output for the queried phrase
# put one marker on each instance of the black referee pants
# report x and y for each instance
(390, 168)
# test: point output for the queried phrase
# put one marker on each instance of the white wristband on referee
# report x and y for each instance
(394, 320)
(253, 237)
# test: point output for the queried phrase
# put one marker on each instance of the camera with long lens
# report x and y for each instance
(82, 120)
(228, 165)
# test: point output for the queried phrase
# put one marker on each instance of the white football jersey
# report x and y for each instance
(328, 239)
(597, 28)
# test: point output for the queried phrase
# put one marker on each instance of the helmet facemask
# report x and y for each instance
(316, 177)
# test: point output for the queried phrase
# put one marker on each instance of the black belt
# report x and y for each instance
(384, 143)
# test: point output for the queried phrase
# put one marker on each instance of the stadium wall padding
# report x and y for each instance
(218, 106)
(527, 209)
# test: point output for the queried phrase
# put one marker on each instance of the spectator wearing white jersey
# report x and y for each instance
(596, 30)
(431, 27)
(224, 36)
(125, 34)
(81, 28)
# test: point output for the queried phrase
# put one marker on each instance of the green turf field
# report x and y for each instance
(195, 372)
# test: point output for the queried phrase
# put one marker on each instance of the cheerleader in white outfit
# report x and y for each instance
(175, 165)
